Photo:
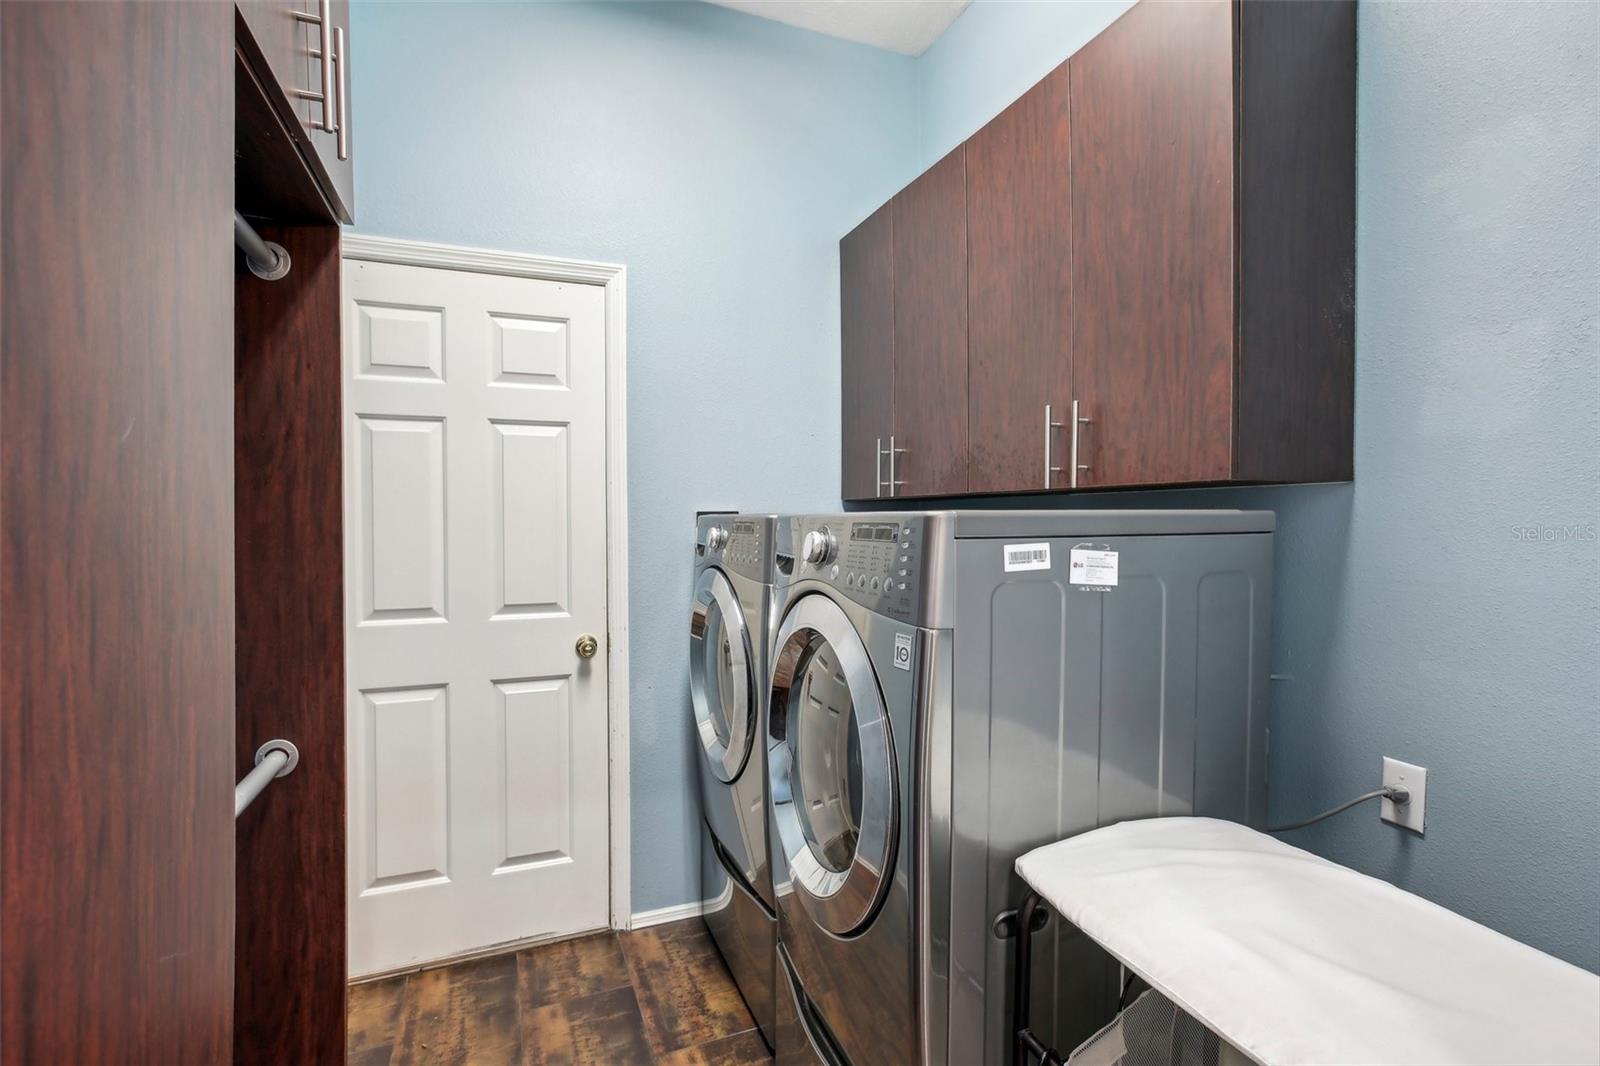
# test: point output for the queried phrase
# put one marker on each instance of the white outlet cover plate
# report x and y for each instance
(1415, 779)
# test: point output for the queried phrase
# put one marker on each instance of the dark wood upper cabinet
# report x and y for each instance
(1019, 291)
(930, 332)
(1296, 99)
(1152, 232)
(282, 44)
(1162, 233)
(333, 151)
(289, 932)
(866, 335)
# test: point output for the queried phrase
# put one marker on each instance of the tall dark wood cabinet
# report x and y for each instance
(289, 985)
(930, 333)
(290, 937)
(116, 559)
(170, 544)
(1019, 291)
(1159, 235)
(866, 335)
(1152, 235)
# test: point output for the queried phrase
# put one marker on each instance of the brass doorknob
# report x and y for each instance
(587, 646)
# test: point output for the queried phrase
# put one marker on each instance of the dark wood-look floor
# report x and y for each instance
(658, 996)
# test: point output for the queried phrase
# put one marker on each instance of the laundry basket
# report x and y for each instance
(1152, 1031)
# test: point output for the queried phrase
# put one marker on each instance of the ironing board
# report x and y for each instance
(1291, 958)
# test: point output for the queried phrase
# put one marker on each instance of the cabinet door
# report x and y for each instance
(1019, 291)
(283, 41)
(332, 148)
(866, 337)
(116, 512)
(930, 331)
(1152, 245)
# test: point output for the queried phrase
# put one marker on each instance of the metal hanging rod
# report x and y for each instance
(275, 758)
(266, 259)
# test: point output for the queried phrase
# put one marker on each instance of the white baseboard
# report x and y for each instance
(504, 948)
(642, 920)
(663, 915)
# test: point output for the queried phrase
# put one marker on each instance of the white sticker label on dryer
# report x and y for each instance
(902, 650)
(1027, 557)
(1091, 566)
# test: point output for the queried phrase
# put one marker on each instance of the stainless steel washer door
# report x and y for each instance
(835, 800)
(721, 675)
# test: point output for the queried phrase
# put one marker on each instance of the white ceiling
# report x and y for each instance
(905, 26)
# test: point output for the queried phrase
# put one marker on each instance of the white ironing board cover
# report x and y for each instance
(1295, 959)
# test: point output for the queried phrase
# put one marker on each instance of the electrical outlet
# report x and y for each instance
(1414, 779)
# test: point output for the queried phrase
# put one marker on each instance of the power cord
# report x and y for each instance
(1399, 796)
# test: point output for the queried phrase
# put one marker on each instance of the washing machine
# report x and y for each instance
(730, 633)
(952, 689)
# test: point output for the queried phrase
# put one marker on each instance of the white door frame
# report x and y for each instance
(613, 277)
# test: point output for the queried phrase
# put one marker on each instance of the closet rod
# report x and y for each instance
(266, 259)
(274, 759)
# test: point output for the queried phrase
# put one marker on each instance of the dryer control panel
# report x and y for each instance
(875, 560)
(737, 543)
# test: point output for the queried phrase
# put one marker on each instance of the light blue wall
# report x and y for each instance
(719, 157)
(993, 54)
(1413, 616)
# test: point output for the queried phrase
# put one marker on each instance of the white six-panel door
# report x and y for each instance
(475, 559)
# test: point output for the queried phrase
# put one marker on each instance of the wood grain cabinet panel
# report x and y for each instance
(930, 331)
(288, 539)
(1019, 290)
(116, 501)
(1152, 231)
(866, 336)
(284, 42)
(1295, 396)
(1163, 230)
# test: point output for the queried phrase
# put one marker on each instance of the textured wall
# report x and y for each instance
(719, 157)
(1445, 608)
(993, 54)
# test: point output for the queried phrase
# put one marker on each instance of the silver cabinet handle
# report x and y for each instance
(894, 485)
(324, 53)
(1077, 421)
(877, 482)
(1050, 427)
(344, 89)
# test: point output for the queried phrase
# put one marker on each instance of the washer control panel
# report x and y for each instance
(875, 560)
(737, 544)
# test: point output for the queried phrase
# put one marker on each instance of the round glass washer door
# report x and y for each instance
(834, 792)
(721, 675)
